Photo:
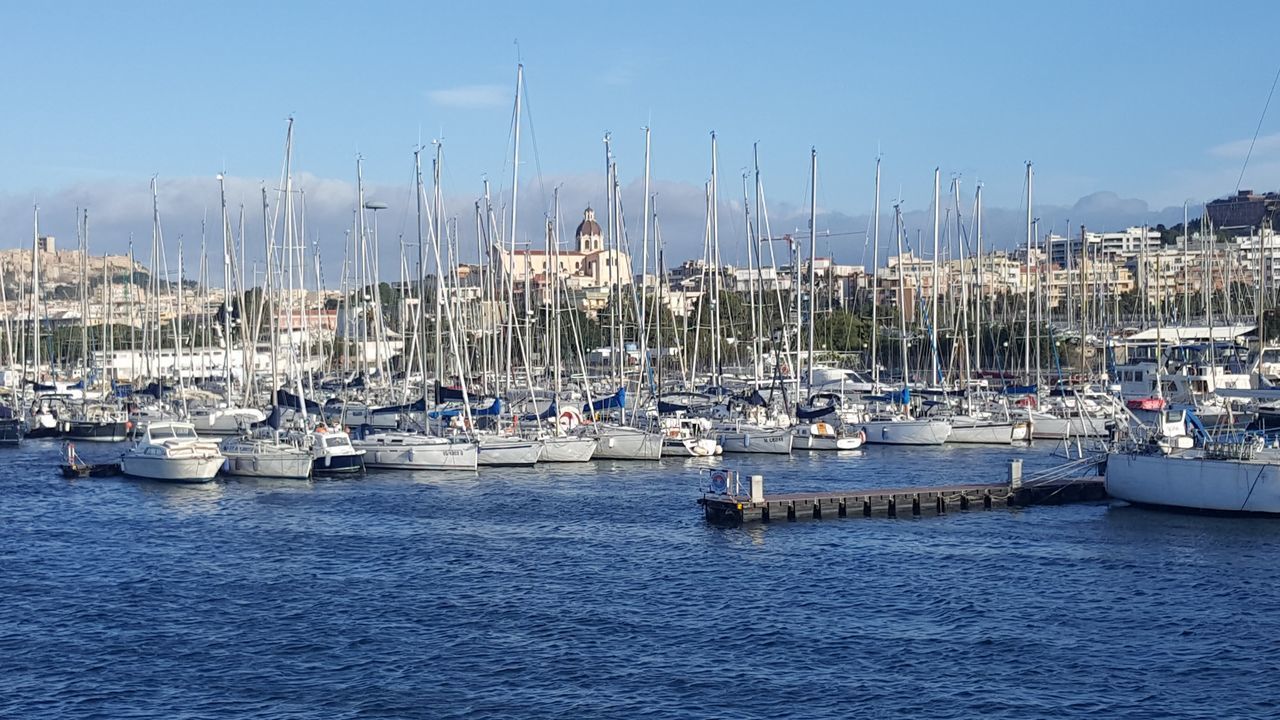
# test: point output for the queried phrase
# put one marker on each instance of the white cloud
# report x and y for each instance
(1238, 149)
(470, 97)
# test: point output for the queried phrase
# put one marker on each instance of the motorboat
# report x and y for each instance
(333, 454)
(172, 452)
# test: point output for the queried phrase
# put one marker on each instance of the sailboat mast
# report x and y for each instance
(643, 320)
(226, 289)
(813, 255)
(902, 296)
(84, 296)
(419, 327)
(515, 194)
(266, 294)
(1026, 306)
(933, 282)
(875, 290)
(35, 295)
(436, 212)
(716, 336)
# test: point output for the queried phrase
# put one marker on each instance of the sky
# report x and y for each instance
(1126, 109)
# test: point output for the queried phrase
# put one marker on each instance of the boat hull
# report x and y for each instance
(290, 466)
(907, 432)
(621, 443)
(338, 464)
(568, 449)
(227, 421)
(689, 447)
(442, 455)
(12, 431)
(981, 433)
(503, 452)
(1051, 427)
(769, 442)
(813, 442)
(177, 470)
(89, 431)
(1195, 484)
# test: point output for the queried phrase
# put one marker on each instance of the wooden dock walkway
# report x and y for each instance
(734, 509)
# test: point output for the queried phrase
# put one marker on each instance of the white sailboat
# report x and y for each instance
(744, 437)
(1167, 470)
(890, 425)
(265, 456)
(567, 448)
(415, 451)
(623, 442)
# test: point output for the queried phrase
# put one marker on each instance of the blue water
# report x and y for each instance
(598, 591)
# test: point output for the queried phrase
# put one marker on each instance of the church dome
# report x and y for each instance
(588, 226)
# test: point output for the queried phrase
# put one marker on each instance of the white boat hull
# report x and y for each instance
(424, 454)
(227, 421)
(907, 432)
(1051, 427)
(182, 470)
(567, 449)
(771, 442)
(510, 452)
(287, 465)
(988, 433)
(689, 447)
(814, 442)
(624, 443)
(1194, 483)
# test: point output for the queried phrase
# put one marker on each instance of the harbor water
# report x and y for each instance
(596, 590)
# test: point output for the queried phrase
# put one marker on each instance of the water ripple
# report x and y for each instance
(597, 591)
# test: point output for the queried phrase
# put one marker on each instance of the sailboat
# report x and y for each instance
(266, 455)
(1169, 469)
(889, 421)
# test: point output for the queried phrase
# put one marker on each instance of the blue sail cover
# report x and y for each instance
(448, 394)
(286, 399)
(1021, 389)
(547, 414)
(615, 400)
(418, 406)
(156, 390)
(493, 409)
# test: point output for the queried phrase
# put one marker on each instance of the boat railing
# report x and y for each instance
(1246, 449)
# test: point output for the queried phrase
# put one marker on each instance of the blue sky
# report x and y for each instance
(1154, 103)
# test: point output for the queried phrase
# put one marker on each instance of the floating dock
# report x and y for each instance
(1051, 488)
